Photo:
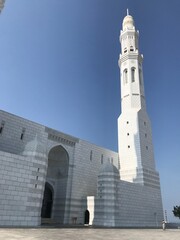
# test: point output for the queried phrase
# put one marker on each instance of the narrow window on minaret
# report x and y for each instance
(140, 76)
(125, 76)
(133, 74)
(125, 50)
(131, 48)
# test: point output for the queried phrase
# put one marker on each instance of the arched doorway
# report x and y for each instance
(47, 201)
(86, 217)
(57, 175)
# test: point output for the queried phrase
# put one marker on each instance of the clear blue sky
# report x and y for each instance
(59, 67)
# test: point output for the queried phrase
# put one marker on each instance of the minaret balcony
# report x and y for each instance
(130, 55)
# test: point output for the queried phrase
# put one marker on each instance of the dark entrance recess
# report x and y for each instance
(47, 202)
(86, 217)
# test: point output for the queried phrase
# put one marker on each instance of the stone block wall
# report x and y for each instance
(10, 137)
(139, 205)
(21, 190)
(88, 160)
(136, 206)
(85, 161)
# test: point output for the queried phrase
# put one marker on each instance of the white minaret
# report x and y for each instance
(134, 129)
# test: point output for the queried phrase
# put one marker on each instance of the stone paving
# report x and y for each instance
(87, 234)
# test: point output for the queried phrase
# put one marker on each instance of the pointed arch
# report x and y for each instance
(57, 174)
(125, 76)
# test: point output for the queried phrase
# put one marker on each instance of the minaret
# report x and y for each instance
(134, 129)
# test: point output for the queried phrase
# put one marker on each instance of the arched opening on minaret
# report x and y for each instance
(125, 50)
(125, 76)
(133, 74)
(131, 48)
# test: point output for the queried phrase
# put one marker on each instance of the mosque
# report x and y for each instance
(47, 176)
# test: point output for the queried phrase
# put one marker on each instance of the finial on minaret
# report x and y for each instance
(127, 11)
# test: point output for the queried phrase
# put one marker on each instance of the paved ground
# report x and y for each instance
(88, 234)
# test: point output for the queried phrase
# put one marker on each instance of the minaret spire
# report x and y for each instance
(127, 11)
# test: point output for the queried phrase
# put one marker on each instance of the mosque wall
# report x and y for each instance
(21, 190)
(24, 172)
(139, 205)
(122, 204)
(84, 162)
(17, 132)
(88, 160)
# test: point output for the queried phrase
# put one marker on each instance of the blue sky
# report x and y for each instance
(59, 67)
